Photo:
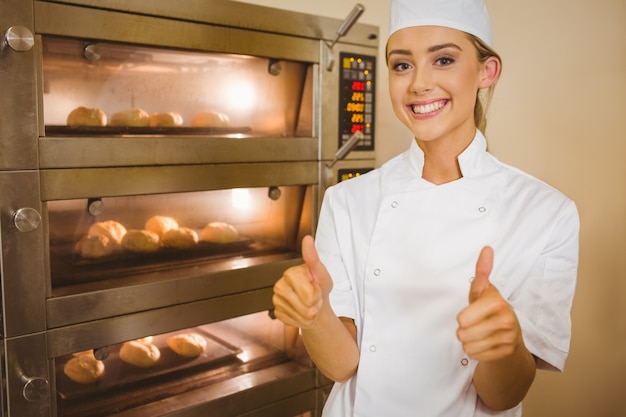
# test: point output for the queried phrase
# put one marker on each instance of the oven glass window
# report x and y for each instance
(109, 89)
(169, 235)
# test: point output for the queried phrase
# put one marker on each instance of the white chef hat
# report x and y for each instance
(470, 16)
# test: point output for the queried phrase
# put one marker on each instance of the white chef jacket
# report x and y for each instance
(401, 252)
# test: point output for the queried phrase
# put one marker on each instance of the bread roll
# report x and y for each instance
(189, 345)
(169, 119)
(110, 229)
(142, 241)
(210, 119)
(94, 247)
(147, 339)
(142, 355)
(219, 232)
(132, 118)
(84, 369)
(84, 116)
(181, 238)
(84, 352)
(160, 224)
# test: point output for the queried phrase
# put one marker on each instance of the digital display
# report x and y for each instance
(346, 174)
(356, 98)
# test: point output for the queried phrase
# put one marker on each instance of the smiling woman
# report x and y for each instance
(395, 248)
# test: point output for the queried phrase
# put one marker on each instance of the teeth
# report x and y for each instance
(427, 108)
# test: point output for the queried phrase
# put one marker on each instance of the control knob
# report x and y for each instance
(26, 219)
(35, 388)
(19, 38)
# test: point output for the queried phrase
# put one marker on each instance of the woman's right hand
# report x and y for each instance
(302, 292)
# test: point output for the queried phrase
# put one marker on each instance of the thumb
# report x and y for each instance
(480, 283)
(319, 274)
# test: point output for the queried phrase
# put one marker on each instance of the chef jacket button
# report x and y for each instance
(394, 204)
(377, 272)
(372, 348)
(482, 209)
(464, 361)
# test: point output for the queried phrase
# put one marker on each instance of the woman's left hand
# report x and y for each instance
(488, 326)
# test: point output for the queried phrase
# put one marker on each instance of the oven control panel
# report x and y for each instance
(346, 174)
(357, 98)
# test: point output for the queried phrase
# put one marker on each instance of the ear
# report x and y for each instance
(490, 72)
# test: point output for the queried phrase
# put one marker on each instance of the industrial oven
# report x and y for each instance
(159, 164)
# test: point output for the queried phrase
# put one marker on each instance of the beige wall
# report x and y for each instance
(559, 113)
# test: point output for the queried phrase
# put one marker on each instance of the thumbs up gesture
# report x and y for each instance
(488, 327)
(302, 292)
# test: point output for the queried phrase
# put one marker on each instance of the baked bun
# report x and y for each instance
(219, 232)
(84, 116)
(181, 238)
(160, 224)
(142, 355)
(169, 119)
(189, 345)
(132, 118)
(142, 241)
(84, 352)
(94, 247)
(110, 229)
(84, 369)
(210, 119)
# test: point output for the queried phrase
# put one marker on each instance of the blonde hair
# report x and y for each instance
(483, 97)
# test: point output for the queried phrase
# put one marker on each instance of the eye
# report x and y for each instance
(401, 66)
(444, 61)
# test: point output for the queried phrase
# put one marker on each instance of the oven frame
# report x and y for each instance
(41, 323)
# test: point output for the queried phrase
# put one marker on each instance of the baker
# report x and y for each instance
(439, 283)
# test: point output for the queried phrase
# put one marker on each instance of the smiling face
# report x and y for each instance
(434, 77)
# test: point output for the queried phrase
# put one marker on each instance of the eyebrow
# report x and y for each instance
(431, 49)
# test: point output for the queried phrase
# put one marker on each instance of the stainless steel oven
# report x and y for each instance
(159, 164)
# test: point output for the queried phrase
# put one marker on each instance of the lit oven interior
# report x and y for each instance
(209, 93)
(166, 295)
(127, 238)
(218, 359)
(190, 364)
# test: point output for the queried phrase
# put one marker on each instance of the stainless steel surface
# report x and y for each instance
(65, 20)
(61, 184)
(18, 130)
(27, 374)
(43, 171)
(35, 388)
(349, 21)
(23, 259)
(346, 148)
(19, 38)
(242, 15)
(26, 219)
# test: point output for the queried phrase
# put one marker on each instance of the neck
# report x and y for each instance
(441, 163)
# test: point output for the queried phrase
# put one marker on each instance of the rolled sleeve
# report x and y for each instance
(544, 307)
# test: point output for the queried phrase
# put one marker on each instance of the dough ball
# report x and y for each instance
(94, 247)
(160, 224)
(85, 116)
(84, 369)
(219, 232)
(142, 241)
(84, 352)
(142, 355)
(169, 119)
(110, 229)
(181, 238)
(189, 345)
(132, 118)
(147, 339)
(210, 119)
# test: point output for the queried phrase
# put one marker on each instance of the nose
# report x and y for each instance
(423, 81)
